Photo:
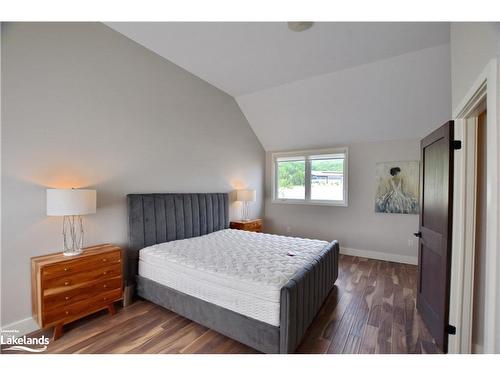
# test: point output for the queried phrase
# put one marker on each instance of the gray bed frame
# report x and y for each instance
(158, 218)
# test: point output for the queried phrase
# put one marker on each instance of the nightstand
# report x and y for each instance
(64, 289)
(250, 225)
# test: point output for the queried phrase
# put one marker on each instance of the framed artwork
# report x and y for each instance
(397, 187)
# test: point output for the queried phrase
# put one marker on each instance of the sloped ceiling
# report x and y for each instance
(399, 98)
(334, 83)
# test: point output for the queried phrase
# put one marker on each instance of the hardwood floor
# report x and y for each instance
(371, 310)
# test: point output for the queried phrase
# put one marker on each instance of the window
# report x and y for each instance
(311, 177)
(291, 178)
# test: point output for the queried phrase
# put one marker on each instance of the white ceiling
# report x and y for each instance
(334, 84)
(403, 97)
(241, 58)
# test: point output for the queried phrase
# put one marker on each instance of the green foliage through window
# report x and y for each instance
(330, 165)
(291, 173)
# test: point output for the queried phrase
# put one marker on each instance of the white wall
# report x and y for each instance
(472, 45)
(83, 106)
(357, 227)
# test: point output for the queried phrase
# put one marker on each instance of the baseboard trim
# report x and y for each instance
(379, 255)
(23, 326)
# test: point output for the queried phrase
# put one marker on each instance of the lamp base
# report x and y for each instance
(72, 235)
(71, 253)
(245, 211)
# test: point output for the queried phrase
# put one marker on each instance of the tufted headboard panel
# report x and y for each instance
(157, 218)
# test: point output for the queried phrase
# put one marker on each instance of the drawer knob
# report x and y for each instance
(66, 269)
(66, 283)
(67, 312)
(104, 286)
(104, 259)
(105, 273)
(66, 298)
(105, 298)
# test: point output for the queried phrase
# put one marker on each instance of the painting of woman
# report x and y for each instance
(396, 192)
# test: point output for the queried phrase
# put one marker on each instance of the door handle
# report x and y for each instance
(418, 234)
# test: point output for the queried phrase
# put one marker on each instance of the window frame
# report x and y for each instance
(306, 154)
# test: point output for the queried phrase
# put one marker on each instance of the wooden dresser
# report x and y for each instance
(64, 289)
(250, 225)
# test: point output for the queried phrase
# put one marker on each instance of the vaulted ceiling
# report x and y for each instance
(333, 83)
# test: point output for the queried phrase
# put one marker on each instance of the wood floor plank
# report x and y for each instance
(184, 337)
(171, 340)
(376, 300)
(352, 344)
(317, 339)
(341, 334)
(398, 339)
(206, 344)
(369, 341)
(121, 338)
(87, 334)
(371, 309)
(93, 325)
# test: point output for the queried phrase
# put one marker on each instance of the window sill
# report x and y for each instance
(310, 203)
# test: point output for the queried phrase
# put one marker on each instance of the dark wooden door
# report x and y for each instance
(434, 258)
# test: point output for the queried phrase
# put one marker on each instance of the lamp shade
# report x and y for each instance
(65, 202)
(245, 195)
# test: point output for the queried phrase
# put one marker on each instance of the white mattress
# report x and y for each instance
(238, 270)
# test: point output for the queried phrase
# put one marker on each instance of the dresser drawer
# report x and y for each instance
(65, 283)
(80, 265)
(76, 310)
(75, 295)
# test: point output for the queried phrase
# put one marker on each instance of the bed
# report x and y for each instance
(260, 289)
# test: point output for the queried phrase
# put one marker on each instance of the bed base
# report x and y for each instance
(301, 299)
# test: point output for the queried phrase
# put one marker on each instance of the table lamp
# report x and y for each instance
(71, 204)
(245, 196)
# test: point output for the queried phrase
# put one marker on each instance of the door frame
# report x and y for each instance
(462, 269)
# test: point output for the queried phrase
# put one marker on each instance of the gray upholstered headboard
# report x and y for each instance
(157, 218)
